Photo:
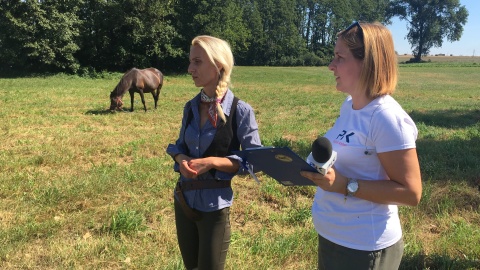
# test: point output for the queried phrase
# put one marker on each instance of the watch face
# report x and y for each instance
(352, 187)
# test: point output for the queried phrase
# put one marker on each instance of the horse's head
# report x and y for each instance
(116, 102)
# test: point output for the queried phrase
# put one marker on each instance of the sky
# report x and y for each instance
(468, 45)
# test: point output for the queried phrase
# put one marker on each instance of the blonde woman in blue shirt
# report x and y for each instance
(214, 124)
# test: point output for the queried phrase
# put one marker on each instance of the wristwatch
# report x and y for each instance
(352, 186)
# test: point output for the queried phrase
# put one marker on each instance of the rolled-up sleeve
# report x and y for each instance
(247, 131)
(179, 146)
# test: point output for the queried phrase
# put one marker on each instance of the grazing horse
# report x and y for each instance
(149, 80)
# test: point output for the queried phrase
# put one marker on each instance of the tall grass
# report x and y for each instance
(83, 188)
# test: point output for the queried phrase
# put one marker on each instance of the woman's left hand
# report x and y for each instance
(200, 165)
(203, 165)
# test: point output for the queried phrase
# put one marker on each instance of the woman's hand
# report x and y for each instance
(193, 167)
(185, 168)
(403, 188)
(328, 182)
(200, 165)
(203, 165)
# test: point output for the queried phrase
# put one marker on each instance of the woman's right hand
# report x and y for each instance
(185, 170)
(332, 181)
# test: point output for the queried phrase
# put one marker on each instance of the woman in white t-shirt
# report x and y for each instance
(355, 207)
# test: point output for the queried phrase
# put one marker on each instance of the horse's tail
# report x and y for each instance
(161, 75)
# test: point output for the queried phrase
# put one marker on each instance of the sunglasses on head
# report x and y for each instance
(354, 24)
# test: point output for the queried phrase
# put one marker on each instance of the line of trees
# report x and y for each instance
(79, 36)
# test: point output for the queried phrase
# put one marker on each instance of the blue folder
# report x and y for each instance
(282, 164)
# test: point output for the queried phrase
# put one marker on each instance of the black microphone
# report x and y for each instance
(322, 156)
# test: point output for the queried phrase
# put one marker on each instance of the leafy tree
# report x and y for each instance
(429, 22)
(145, 32)
(121, 34)
(228, 24)
(10, 36)
(115, 35)
(254, 55)
(281, 42)
(323, 19)
(371, 10)
(96, 35)
(41, 35)
(220, 18)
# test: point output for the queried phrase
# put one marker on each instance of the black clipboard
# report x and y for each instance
(282, 164)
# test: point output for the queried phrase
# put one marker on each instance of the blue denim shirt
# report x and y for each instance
(198, 140)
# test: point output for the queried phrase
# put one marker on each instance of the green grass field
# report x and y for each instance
(83, 188)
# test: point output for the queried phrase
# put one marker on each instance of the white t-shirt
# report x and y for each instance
(357, 136)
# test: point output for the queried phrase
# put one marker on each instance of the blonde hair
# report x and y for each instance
(220, 55)
(373, 44)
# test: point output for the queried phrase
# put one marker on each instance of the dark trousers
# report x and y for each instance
(203, 244)
(336, 257)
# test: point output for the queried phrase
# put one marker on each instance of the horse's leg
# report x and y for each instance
(132, 93)
(155, 98)
(157, 95)
(143, 99)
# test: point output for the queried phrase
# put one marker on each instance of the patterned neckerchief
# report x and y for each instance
(212, 107)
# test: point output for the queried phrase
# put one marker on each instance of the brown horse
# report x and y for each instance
(149, 80)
